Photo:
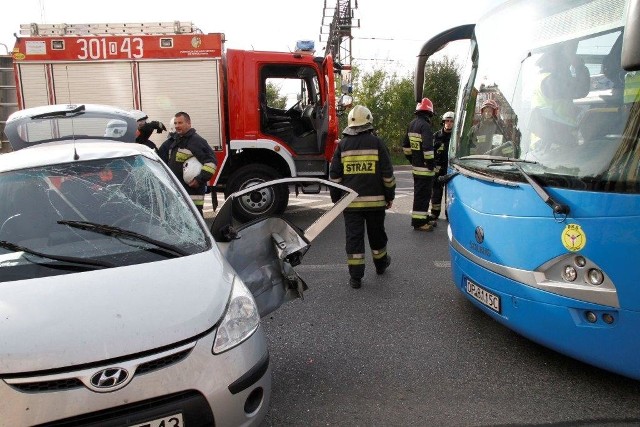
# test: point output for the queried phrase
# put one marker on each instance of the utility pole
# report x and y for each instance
(335, 31)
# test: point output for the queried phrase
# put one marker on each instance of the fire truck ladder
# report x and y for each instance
(8, 99)
(175, 27)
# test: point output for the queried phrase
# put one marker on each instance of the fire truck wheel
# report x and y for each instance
(266, 201)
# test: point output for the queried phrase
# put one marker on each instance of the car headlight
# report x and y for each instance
(240, 320)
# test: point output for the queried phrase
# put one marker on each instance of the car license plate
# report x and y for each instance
(174, 420)
(485, 297)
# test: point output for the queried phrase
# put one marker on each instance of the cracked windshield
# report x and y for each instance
(92, 214)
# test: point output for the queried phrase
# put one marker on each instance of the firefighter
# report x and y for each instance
(489, 132)
(418, 149)
(181, 146)
(441, 149)
(146, 128)
(362, 162)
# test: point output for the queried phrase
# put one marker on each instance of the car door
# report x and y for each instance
(264, 252)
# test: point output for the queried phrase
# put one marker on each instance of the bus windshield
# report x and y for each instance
(549, 91)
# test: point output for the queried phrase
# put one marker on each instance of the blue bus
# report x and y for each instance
(543, 186)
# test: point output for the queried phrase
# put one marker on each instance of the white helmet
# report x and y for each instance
(359, 116)
(190, 169)
(115, 129)
(448, 115)
(139, 115)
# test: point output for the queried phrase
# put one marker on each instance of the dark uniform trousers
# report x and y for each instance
(422, 186)
(436, 197)
(355, 222)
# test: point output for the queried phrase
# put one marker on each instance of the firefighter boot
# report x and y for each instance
(387, 262)
(432, 220)
(424, 227)
(355, 283)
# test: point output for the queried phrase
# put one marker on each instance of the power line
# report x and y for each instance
(387, 39)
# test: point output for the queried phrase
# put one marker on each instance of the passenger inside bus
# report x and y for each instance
(563, 77)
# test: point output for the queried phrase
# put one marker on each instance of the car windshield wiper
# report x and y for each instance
(62, 113)
(63, 258)
(110, 230)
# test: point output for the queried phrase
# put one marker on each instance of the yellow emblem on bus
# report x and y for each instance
(573, 237)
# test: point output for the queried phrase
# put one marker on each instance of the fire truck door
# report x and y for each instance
(326, 115)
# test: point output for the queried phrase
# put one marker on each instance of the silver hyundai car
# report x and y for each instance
(118, 306)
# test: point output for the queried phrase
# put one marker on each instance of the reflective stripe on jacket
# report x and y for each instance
(362, 163)
(417, 146)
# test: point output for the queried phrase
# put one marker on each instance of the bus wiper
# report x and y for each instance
(110, 230)
(558, 208)
(497, 159)
(494, 159)
(69, 259)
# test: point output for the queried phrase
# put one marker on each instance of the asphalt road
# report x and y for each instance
(407, 349)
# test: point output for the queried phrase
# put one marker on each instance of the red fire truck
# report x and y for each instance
(234, 97)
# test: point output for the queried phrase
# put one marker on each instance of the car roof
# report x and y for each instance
(70, 151)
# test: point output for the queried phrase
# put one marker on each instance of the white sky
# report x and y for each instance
(391, 33)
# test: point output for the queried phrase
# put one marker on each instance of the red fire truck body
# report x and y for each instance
(164, 68)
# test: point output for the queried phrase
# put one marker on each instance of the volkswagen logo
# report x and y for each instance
(109, 378)
(479, 234)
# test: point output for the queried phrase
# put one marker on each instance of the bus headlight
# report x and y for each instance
(580, 261)
(569, 274)
(595, 277)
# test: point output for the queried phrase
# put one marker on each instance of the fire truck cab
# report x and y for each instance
(267, 115)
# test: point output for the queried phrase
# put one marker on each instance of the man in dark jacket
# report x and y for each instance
(146, 128)
(418, 149)
(181, 146)
(441, 148)
(362, 162)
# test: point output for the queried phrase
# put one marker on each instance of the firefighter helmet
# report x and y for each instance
(139, 115)
(492, 104)
(115, 129)
(425, 105)
(190, 169)
(449, 115)
(359, 116)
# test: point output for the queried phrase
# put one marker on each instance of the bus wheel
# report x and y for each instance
(266, 201)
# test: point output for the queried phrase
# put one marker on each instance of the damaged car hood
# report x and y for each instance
(104, 314)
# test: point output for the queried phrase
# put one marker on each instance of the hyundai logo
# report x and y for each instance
(479, 234)
(109, 378)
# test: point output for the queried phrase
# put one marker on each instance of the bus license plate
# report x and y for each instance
(485, 297)
(174, 420)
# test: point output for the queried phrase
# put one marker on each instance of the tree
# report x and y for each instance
(274, 99)
(391, 100)
(441, 84)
